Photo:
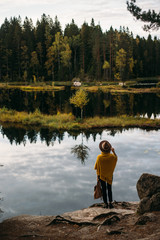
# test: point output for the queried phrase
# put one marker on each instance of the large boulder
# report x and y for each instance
(148, 188)
(148, 185)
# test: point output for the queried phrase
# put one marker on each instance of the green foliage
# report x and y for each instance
(4, 110)
(121, 62)
(34, 62)
(158, 85)
(49, 64)
(59, 53)
(66, 53)
(85, 53)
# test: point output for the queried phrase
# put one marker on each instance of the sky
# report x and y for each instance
(107, 13)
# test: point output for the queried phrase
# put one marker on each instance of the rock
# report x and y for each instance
(90, 223)
(142, 220)
(111, 220)
(148, 185)
(152, 237)
(149, 204)
(115, 231)
(95, 212)
(148, 188)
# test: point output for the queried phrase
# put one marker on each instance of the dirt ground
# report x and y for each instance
(93, 223)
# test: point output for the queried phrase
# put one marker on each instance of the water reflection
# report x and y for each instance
(81, 151)
(48, 136)
(1, 199)
(42, 176)
(100, 104)
(21, 135)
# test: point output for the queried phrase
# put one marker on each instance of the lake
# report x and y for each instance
(41, 173)
(100, 103)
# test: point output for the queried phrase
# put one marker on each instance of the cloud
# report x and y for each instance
(107, 13)
(29, 2)
(148, 4)
(44, 179)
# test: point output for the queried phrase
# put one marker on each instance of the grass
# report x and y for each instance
(112, 87)
(63, 121)
(41, 88)
(121, 89)
(32, 87)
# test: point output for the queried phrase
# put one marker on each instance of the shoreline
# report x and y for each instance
(92, 223)
(68, 122)
(112, 87)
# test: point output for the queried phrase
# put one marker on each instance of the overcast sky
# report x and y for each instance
(105, 12)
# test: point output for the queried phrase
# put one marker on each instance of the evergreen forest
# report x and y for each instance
(44, 52)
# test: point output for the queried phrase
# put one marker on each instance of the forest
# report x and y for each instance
(45, 52)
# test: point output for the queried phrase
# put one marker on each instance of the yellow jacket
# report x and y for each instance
(105, 165)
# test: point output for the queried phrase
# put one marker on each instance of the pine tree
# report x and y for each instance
(149, 16)
(34, 64)
(24, 62)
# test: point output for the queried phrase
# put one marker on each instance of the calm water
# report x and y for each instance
(41, 175)
(100, 103)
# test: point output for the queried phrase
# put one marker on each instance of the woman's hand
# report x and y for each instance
(112, 149)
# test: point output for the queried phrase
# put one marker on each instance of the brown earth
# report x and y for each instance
(93, 223)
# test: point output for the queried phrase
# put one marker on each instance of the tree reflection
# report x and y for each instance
(19, 136)
(80, 151)
(120, 104)
(100, 104)
(49, 136)
(1, 212)
(1, 199)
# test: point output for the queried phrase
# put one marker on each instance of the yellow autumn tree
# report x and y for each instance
(59, 52)
(121, 62)
(80, 99)
(106, 67)
(66, 53)
(49, 64)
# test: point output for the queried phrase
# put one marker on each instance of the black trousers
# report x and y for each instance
(106, 187)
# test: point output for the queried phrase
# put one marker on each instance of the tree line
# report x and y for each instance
(46, 53)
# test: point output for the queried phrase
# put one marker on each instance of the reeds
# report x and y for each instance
(69, 122)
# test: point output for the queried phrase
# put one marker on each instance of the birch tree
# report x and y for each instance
(80, 99)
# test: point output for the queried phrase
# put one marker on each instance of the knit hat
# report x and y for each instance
(105, 146)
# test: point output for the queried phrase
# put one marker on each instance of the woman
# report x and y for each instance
(105, 165)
